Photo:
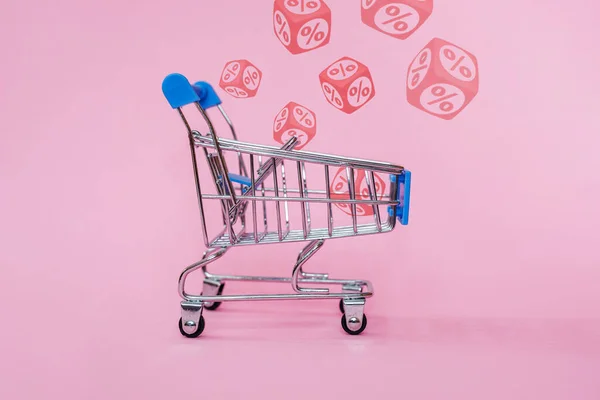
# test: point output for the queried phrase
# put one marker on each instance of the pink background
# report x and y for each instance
(492, 291)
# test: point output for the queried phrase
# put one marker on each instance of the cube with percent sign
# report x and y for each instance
(295, 120)
(302, 25)
(340, 190)
(442, 79)
(347, 84)
(396, 18)
(240, 78)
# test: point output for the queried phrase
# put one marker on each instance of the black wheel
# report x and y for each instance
(342, 306)
(216, 304)
(359, 330)
(195, 334)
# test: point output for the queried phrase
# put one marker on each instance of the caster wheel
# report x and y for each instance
(216, 304)
(198, 331)
(342, 306)
(354, 331)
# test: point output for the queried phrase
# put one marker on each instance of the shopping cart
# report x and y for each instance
(265, 184)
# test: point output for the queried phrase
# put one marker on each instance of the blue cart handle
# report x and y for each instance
(179, 92)
(403, 207)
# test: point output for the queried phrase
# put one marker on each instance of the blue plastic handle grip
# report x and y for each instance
(208, 96)
(403, 207)
(179, 92)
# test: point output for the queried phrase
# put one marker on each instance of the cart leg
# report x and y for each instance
(355, 287)
(191, 323)
(354, 320)
(212, 287)
(209, 256)
(307, 252)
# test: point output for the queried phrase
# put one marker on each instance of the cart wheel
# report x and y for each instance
(198, 331)
(357, 331)
(342, 306)
(216, 304)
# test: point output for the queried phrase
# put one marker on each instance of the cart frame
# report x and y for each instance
(239, 192)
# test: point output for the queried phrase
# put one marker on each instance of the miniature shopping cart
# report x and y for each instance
(246, 200)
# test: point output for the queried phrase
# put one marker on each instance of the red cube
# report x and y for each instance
(295, 120)
(347, 84)
(396, 18)
(302, 25)
(340, 190)
(442, 79)
(240, 78)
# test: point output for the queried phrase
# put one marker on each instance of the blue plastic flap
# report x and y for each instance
(178, 90)
(206, 93)
(405, 201)
(403, 207)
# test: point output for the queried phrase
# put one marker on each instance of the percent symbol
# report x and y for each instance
(419, 68)
(281, 119)
(283, 32)
(359, 91)
(399, 20)
(442, 99)
(231, 71)
(458, 63)
(403, 19)
(313, 33)
(342, 69)
(237, 92)
(251, 77)
(305, 117)
(302, 6)
(465, 71)
(332, 95)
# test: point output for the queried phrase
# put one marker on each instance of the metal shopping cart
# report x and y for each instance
(260, 191)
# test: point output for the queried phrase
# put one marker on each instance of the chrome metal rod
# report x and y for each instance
(305, 199)
(351, 189)
(329, 205)
(268, 168)
(288, 279)
(196, 177)
(254, 216)
(212, 166)
(283, 296)
(226, 204)
(209, 256)
(302, 155)
(265, 220)
(271, 165)
(277, 207)
(312, 191)
(219, 151)
(305, 187)
(373, 195)
(302, 208)
(307, 252)
(285, 203)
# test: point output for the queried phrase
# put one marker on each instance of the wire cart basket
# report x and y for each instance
(270, 180)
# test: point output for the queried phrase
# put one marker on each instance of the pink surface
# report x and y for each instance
(492, 291)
